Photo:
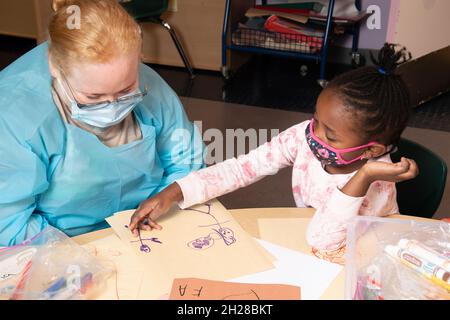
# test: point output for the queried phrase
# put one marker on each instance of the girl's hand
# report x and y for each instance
(358, 185)
(151, 209)
(404, 170)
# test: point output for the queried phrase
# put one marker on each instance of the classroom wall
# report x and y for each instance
(374, 30)
(421, 25)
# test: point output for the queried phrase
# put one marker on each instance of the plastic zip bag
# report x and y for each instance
(51, 266)
(380, 267)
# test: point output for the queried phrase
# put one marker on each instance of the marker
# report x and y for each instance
(70, 291)
(428, 269)
(53, 289)
(21, 283)
(425, 253)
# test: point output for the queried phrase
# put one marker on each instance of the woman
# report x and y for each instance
(86, 129)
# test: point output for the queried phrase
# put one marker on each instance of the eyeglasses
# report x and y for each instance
(98, 105)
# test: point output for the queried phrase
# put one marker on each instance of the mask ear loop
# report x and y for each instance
(393, 148)
(61, 86)
(63, 89)
(73, 99)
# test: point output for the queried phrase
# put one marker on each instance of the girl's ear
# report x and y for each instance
(375, 151)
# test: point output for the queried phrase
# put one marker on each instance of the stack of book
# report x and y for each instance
(298, 27)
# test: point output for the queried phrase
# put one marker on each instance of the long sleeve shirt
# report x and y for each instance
(312, 186)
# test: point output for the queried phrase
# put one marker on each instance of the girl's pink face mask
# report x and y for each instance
(326, 153)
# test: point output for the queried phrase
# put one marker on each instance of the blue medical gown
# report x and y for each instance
(55, 173)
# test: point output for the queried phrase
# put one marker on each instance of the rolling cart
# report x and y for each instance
(314, 47)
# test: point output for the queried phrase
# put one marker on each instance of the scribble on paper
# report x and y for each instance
(252, 295)
(197, 292)
(145, 247)
(218, 232)
(202, 289)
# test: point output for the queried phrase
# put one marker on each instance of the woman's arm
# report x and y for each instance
(179, 143)
(23, 176)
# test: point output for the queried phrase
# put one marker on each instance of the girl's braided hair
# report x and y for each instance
(377, 96)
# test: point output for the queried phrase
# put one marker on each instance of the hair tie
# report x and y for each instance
(382, 71)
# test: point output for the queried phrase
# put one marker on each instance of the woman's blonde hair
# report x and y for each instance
(105, 31)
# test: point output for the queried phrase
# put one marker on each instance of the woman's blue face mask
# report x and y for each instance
(104, 114)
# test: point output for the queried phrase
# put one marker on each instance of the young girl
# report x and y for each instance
(341, 159)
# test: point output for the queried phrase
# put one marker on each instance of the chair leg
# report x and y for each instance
(179, 46)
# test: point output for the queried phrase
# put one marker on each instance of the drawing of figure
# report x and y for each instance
(223, 233)
(144, 247)
(227, 235)
(201, 243)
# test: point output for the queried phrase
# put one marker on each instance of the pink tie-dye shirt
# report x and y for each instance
(312, 186)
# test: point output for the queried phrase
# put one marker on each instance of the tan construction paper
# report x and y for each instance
(202, 242)
(286, 232)
(200, 289)
(131, 281)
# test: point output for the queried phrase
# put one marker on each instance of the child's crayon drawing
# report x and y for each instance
(218, 232)
(233, 254)
(144, 247)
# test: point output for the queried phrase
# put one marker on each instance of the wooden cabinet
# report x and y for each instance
(25, 18)
(198, 24)
(18, 18)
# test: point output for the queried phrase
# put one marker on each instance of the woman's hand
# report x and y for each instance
(358, 185)
(151, 209)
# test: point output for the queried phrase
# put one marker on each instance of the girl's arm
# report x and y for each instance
(214, 181)
(371, 192)
(328, 228)
(236, 173)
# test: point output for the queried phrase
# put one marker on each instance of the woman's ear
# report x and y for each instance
(375, 151)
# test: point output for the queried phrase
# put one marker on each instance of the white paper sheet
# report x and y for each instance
(311, 274)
